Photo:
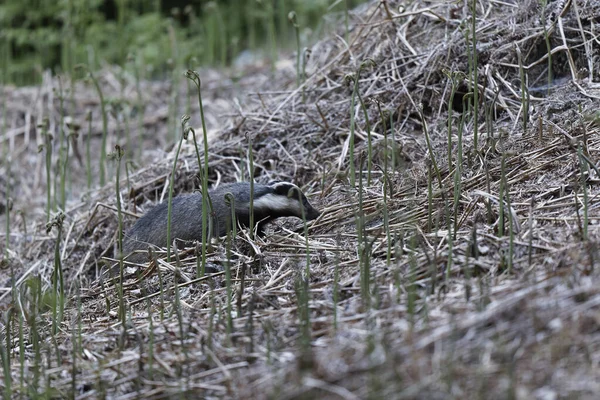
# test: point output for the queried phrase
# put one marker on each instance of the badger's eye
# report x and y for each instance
(293, 193)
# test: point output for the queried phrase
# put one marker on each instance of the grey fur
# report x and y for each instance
(277, 199)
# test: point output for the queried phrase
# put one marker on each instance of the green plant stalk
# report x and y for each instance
(231, 233)
(432, 154)
(9, 318)
(5, 55)
(524, 91)
(8, 160)
(211, 33)
(177, 309)
(58, 295)
(240, 293)
(74, 342)
(450, 262)
(88, 161)
(453, 88)
(584, 169)
(21, 350)
(429, 198)
(161, 289)
(353, 126)
(303, 76)
(511, 234)
(56, 183)
(211, 319)
(128, 146)
(236, 21)
(228, 287)
(48, 148)
(369, 140)
(250, 325)
(62, 157)
(79, 323)
(548, 44)
(386, 180)
(336, 285)
(488, 109)
(468, 256)
(453, 229)
(195, 77)
(347, 21)
(475, 75)
(411, 292)
(170, 200)
(71, 45)
(128, 164)
(188, 98)
(150, 361)
(249, 12)
(394, 148)
(363, 247)
(198, 160)
(106, 299)
(299, 78)
(458, 169)
(229, 197)
(8, 210)
(222, 35)
(251, 162)
(140, 107)
(501, 201)
(210, 223)
(281, 7)
(270, 17)
(439, 177)
(35, 337)
(118, 155)
(267, 328)
(174, 92)
(489, 190)
(307, 243)
(302, 294)
(530, 246)
(63, 194)
(104, 128)
(121, 19)
(5, 356)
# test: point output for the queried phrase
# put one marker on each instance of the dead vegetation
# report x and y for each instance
(481, 283)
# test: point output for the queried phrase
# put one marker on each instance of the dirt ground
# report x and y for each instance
(455, 256)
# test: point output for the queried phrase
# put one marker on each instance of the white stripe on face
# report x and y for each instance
(276, 202)
(287, 185)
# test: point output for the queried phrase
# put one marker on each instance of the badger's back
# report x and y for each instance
(186, 223)
(186, 217)
(270, 202)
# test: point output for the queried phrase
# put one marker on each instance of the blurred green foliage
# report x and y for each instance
(39, 34)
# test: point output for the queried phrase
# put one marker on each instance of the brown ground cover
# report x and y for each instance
(439, 270)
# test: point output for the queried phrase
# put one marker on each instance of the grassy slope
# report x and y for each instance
(461, 308)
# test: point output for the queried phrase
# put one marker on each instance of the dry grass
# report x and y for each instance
(514, 316)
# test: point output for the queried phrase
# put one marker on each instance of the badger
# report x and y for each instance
(274, 200)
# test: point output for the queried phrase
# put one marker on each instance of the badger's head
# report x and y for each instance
(286, 200)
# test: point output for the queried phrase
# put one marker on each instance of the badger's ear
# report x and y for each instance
(283, 188)
(272, 183)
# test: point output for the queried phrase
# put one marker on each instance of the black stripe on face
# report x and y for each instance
(293, 192)
(283, 189)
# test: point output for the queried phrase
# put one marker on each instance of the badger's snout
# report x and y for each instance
(311, 213)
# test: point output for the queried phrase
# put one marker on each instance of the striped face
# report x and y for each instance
(288, 200)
